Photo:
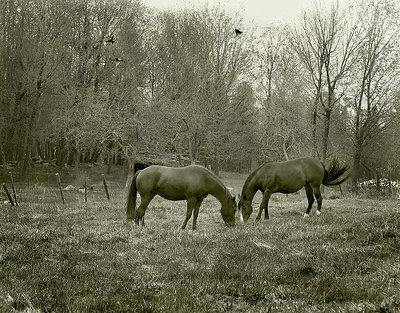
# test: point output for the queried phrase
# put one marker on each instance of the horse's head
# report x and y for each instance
(228, 211)
(245, 207)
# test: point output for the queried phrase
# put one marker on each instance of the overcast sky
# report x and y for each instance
(262, 12)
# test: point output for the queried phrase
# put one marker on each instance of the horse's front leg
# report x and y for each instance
(191, 202)
(264, 205)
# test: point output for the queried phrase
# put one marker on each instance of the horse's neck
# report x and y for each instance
(220, 192)
(251, 187)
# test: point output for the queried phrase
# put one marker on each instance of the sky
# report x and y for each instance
(261, 12)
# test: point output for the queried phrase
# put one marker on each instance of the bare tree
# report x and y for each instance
(194, 68)
(326, 42)
(375, 78)
(280, 92)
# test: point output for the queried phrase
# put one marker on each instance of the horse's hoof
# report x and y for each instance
(306, 215)
(318, 212)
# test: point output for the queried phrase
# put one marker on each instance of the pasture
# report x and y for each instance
(85, 257)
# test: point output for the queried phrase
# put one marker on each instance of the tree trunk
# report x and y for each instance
(314, 128)
(39, 149)
(192, 152)
(390, 182)
(77, 158)
(26, 148)
(378, 182)
(215, 167)
(3, 155)
(109, 165)
(284, 149)
(27, 158)
(326, 134)
(356, 169)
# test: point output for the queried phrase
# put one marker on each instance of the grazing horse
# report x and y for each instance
(192, 183)
(288, 177)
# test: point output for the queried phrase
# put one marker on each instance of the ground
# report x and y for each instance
(85, 257)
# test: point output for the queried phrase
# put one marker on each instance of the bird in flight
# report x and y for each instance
(111, 40)
(118, 60)
(238, 32)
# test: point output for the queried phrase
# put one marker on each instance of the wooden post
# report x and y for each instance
(59, 185)
(378, 181)
(85, 186)
(341, 191)
(390, 178)
(13, 189)
(105, 186)
(8, 194)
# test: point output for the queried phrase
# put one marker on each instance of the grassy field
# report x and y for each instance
(84, 257)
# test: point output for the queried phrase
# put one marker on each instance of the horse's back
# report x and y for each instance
(313, 168)
(174, 183)
(304, 164)
(191, 171)
(290, 176)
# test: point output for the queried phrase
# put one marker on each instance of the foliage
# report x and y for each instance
(115, 81)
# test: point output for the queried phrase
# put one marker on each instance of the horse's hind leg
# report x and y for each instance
(144, 203)
(196, 211)
(318, 196)
(310, 198)
(191, 202)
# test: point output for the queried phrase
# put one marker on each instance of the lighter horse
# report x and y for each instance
(192, 183)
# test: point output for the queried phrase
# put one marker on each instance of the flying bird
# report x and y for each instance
(112, 40)
(118, 60)
(238, 32)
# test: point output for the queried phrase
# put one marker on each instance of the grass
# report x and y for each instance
(84, 257)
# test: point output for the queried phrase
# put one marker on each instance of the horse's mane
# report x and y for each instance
(216, 178)
(211, 173)
(246, 183)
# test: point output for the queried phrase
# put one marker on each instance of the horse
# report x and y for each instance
(288, 177)
(192, 183)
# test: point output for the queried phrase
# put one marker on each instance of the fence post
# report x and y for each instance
(13, 189)
(105, 186)
(59, 185)
(8, 194)
(85, 186)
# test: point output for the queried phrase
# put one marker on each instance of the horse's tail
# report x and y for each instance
(336, 173)
(131, 200)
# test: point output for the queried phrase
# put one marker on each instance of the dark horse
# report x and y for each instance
(192, 183)
(289, 177)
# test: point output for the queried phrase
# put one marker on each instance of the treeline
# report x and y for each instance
(115, 81)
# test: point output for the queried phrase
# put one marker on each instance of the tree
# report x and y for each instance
(30, 61)
(194, 67)
(280, 91)
(326, 43)
(375, 78)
